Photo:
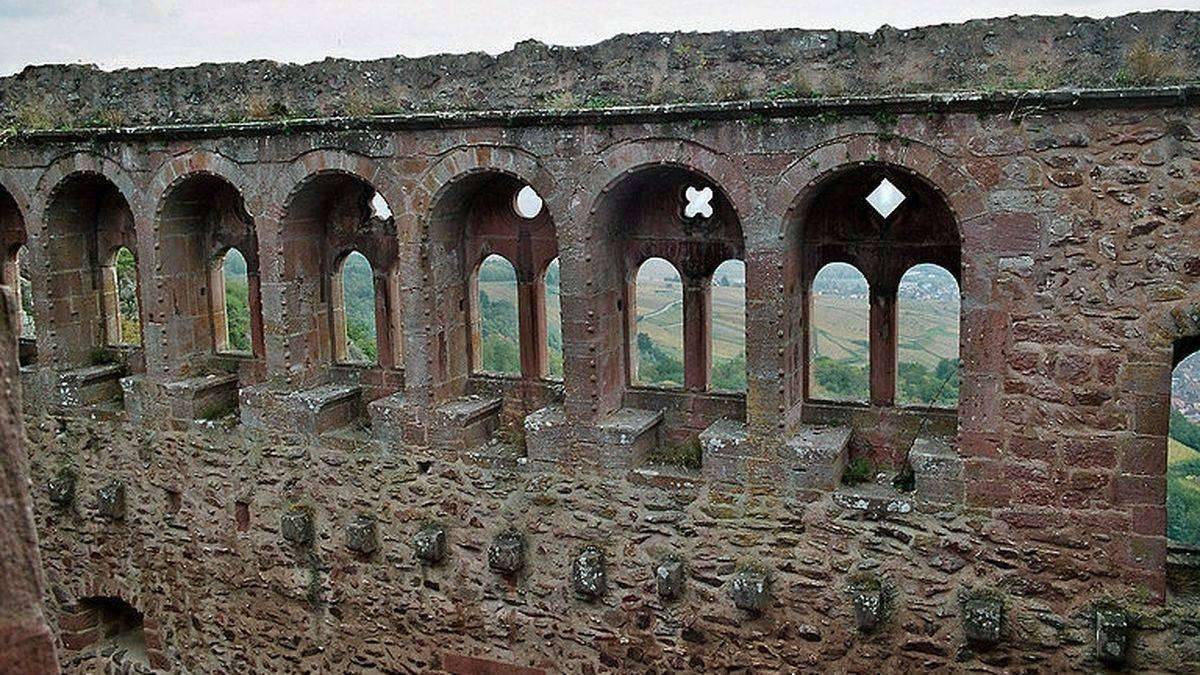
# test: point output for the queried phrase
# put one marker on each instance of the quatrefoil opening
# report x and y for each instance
(698, 202)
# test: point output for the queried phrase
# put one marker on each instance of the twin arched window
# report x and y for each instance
(927, 329)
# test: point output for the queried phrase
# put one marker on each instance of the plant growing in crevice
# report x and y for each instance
(858, 471)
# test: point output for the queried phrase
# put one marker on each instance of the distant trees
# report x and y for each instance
(656, 365)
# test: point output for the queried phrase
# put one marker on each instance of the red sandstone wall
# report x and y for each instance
(26, 645)
(1079, 271)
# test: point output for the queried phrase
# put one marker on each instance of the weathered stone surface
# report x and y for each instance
(589, 576)
(750, 589)
(866, 594)
(296, 525)
(1047, 51)
(429, 543)
(110, 500)
(1113, 630)
(506, 555)
(61, 487)
(669, 578)
(360, 534)
(983, 618)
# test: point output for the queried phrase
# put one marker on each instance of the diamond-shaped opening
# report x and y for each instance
(885, 198)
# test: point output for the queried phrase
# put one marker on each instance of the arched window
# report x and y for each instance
(231, 298)
(927, 337)
(554, 343)
(496, 324)
(658, 308)
(353, 310)
(120, 294)
(1183, 454)
(839, 335)
(25, 291)
(729, 326)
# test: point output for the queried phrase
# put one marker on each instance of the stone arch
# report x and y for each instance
(178, 169)
(319, 209)
(56, 176)
(463, 162)
(200, 210)
(467, 199)
(316, 163)
(796, 186)
(627, 157)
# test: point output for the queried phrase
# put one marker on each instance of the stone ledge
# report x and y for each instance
(722, 451)
(314, 410)
(815, 457)
(938, 471)
(626, 437)
(465, 423)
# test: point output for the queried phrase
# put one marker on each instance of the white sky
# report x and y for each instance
(126, 33)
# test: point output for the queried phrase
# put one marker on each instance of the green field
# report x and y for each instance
(1183, 481)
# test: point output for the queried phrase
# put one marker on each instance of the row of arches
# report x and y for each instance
(675, 271)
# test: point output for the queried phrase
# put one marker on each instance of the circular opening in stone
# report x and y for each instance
(527, 203)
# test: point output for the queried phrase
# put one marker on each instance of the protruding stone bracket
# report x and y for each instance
(669, 578)
(506, 555)
(110, 500)
(982, 617)
(750, 589)
(360, 534)
(429, 543)
(869, 601)
(61, 487)
(296, 524)
(87, 386)
(588, 573)
(1114, 628)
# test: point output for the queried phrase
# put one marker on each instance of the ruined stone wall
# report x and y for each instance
(241, 596)
(647, 68)
(1079, 272)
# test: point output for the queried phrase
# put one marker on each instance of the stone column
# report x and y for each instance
(531, 322)
(883, 348)
(26, 645)
(697, 332)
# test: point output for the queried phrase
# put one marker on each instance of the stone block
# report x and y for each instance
(669, 578)
(588, 574)
(866, 595)
(722, 448)
(547, 435)
(316, 410)
(983, 618)
(815, 457)
(61, 488)
(465, 423)
(430, 544)
(88, 386)
(394, 421)
(360, 534)
(627, 436)
(750, 590)
(110, 501)
(296, 525)
(1113, 629)
(506, 555)
(937, 470)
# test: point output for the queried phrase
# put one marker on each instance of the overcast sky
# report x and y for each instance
(126, 33)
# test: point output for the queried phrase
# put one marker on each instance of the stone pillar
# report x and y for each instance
(697, 332)
(26, 645)
(531, 326)
(883, 348)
